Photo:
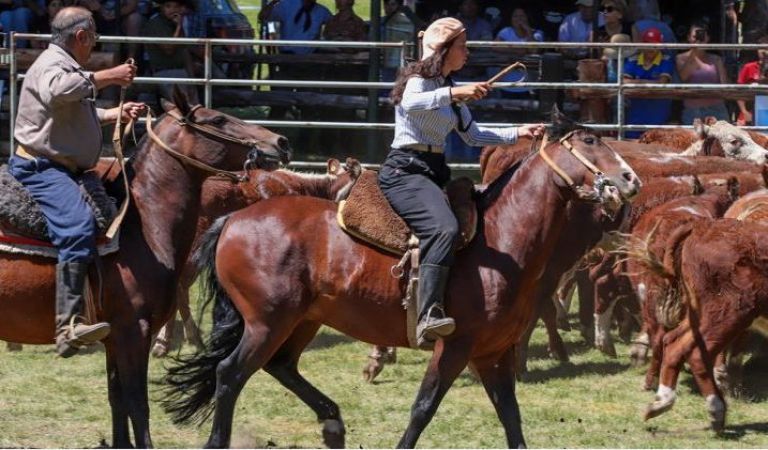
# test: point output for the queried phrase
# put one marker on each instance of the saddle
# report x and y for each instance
(367, 215)
(23, 228)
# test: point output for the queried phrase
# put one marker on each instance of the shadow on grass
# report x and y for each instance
(570, 370)
(541, 350)
(327, 340)
(736, 432)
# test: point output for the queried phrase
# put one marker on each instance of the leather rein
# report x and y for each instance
(186, 121)
(600, 179)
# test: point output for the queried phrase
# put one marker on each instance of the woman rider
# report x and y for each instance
(427, 108)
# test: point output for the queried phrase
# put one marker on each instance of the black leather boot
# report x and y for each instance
(71, 331)
(433, 323)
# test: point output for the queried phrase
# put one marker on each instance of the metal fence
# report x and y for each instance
(619, 87)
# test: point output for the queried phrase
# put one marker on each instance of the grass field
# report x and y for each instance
(594, 401)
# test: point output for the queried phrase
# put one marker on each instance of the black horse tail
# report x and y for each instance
(191, 380)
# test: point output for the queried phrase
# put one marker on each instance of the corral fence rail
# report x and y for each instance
(619, 87)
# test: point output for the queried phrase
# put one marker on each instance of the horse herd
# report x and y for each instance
(688, 255)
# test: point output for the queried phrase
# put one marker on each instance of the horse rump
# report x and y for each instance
(190, 383)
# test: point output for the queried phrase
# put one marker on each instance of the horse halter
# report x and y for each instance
(254, 154)
(581, 191)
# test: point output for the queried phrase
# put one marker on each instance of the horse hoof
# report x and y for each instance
(716, 408)
(563, 324)
(390, 356)
(372, 370)
(333, 433)
(658, 407)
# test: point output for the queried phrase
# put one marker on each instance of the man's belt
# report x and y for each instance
(426, 148)
(25, 153)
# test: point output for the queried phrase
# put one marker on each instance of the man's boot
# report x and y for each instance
(433, 324)
(71, 331)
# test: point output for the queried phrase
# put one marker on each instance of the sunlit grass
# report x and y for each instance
(594, 401)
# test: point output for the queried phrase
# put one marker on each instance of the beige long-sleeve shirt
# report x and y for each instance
(57, 115)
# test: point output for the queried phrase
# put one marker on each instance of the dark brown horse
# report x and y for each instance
(155, 238)
(282, 267)
(220, 197)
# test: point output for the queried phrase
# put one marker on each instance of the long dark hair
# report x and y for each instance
(431, 67)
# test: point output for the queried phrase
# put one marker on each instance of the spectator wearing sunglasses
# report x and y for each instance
(615, 13)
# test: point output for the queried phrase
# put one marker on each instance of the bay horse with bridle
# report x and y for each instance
(191, 144)
(282, 267)
(219, 197)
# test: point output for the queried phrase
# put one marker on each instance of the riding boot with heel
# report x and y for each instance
(433, 323)
(72, 333)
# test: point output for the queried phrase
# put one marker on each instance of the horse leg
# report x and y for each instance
(163, 339)
(563, 297)
(499, 384)
(448, 360)
(677, 346)
(132, 358)
(704, 377)
(657, 353)
(120, 434)
(191, 330)
(604, 304)
(549, 317)
(520, 350)
(284, 367)
(586, 304)
(377, 359)
(257, 345)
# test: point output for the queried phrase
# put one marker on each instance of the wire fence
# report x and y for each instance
(620, 88)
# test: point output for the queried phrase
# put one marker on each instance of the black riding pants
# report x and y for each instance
(412, 181)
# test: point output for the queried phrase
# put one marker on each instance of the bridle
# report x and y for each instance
(255, 154)
(581, 191)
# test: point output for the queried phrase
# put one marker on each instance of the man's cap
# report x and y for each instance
(585, 2)
(652, 35)
(439, 33)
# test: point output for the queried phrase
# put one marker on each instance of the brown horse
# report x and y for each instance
(220, 197)
(140, 279)
(282, 267)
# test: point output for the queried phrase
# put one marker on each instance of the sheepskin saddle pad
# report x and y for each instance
(367, 215)
(22, 221)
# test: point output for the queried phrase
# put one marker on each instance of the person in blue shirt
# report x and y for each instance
(648, 66)
(300, 20)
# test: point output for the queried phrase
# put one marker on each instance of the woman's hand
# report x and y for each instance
(532, 130)
(469, 92)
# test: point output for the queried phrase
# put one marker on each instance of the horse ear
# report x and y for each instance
(556, 116)
(733, 188)
(699, 128)
(333, 166)
(710, 120)
(167, 106)
(180, 100)
(354, 167)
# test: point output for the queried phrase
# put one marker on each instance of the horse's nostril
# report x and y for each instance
(629, 176)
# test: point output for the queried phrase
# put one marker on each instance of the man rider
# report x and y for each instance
(58, 128)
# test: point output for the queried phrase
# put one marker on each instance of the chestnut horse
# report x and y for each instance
(139, 280)
(282, 267)
(220, 197)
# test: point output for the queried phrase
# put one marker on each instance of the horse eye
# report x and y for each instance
(736, 142)
(219, 120)
(589, 140)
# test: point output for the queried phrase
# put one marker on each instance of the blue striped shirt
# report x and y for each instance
(425, 116)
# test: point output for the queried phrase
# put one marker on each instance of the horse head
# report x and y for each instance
(586, 167)
(222, 141)
(721, 138)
